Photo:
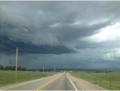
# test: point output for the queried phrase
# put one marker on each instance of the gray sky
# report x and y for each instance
(82, 34)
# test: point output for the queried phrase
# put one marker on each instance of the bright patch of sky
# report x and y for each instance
(109, 33)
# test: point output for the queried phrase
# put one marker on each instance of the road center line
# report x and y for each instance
(40, 87)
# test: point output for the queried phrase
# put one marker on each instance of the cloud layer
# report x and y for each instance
(76, 30)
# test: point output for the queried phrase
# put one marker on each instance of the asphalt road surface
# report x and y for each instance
(60, 81)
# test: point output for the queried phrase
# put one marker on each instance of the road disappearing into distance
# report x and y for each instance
(59, 81)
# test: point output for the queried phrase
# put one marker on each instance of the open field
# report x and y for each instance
(9, 77)
(109, 80)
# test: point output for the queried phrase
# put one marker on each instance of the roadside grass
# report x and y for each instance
(10, 77)
(109, 80)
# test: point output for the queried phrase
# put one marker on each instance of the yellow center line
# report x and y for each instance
(40, 87)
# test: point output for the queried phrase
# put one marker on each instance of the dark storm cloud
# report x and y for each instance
(47, 28)
(9, 46)
(30, 22)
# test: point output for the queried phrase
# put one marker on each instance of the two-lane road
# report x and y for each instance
(59, 81)
(62, 83)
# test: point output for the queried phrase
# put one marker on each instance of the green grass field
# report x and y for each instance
(109, 80)
(10, 77)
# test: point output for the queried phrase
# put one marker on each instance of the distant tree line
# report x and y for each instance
(20, 68)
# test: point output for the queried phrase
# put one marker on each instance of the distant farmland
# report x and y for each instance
(9, 77)
(109, 80)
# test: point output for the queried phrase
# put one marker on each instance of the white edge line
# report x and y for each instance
(72, 84)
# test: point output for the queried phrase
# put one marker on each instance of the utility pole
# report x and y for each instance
(16, 59)
(16, 67)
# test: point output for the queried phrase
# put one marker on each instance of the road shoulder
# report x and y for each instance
(84, 84)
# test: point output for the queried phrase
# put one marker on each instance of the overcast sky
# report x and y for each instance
(72, 34)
